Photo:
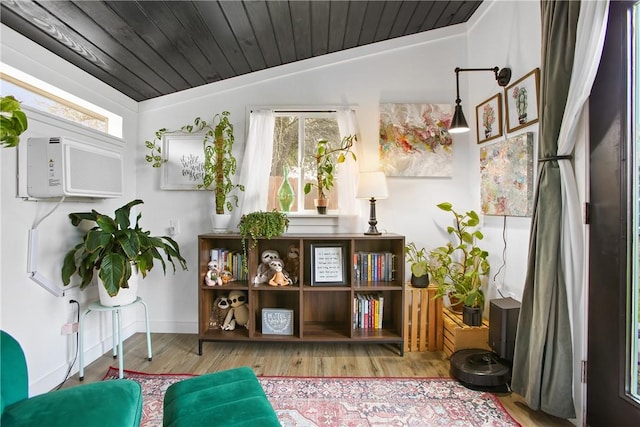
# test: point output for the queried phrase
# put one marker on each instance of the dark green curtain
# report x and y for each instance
(543, 364)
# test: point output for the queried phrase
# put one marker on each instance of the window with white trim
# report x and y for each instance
(294, 142)
(42, 96)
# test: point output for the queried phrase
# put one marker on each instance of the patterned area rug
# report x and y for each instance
(353, 402)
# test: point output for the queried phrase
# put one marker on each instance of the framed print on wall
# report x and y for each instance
(521, 100)
(506, 176)
(489, 119)
(183, 166)
(328, 264)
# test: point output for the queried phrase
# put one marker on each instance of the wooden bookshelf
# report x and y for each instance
(323, 310)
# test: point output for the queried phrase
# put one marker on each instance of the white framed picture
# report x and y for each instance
(183, 166)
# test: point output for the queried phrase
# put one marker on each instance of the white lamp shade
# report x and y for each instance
(372, 184)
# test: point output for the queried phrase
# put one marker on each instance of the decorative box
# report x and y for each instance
(277, 321)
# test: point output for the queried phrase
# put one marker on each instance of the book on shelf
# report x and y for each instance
(229, 260)
(368, 311)
(374, 266)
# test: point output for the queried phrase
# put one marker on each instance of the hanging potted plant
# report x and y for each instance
(326, 158)
(219, 166)
(118, 252)
(13, 121)
(417, 258)
(458, 268)
(256, 225)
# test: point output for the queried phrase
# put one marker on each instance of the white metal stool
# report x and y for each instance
(117, 331)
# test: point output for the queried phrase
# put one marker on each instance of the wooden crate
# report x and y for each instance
(458, 336)
(423, 328)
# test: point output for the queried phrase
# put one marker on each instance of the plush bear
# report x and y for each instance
(219, 311)
(264, 271)
(280, 277)
(292, 263)
(212, 277)
(239, 312)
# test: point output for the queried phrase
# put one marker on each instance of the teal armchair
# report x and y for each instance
(116, 403)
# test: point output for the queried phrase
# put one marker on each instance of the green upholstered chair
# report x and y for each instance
(233, 397)
(116, 403)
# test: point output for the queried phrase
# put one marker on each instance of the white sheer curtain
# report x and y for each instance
(256, 165)
(592, 25)
(348, 171)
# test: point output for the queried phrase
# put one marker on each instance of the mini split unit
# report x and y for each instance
(61, 166)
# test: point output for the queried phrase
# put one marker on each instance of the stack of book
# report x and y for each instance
(229, 261)
(374, 266)
(368, 311)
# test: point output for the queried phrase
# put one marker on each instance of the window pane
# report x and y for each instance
(294, 144)
(315, 129)
(42, 100)
(285, 154)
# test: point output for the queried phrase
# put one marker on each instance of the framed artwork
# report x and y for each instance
(183, 167)
(521, 100)
(506, 177)
(415, 140)
(328, 264)
(489, 119)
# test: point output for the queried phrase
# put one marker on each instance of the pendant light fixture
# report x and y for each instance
(458, 122)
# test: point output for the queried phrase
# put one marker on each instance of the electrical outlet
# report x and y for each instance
(69, 328)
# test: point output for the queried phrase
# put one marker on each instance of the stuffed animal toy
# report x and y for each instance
(264, 271)
(280, 277)
(239, 313)
(212, 277)
(227, 277)
(219, 311)
(292, 263)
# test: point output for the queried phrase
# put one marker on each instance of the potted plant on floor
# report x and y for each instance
(118, 251)
(417, 258)
(256, 225)
(13, 121)
(326, 158)
(219, 166)
(458, 268)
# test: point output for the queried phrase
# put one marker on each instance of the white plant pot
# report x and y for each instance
(221, 223)
(125, 295)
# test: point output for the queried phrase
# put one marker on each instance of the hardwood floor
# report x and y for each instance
(178, 353)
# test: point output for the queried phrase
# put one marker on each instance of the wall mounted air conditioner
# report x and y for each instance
(61, 166)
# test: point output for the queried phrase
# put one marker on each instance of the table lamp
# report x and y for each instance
(372, 186)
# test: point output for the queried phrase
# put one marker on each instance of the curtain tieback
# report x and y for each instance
(563, 157)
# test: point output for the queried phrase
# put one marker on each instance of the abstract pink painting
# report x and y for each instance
(415, 141)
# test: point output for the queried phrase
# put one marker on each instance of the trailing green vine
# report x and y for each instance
(260, 225)
(219, 164)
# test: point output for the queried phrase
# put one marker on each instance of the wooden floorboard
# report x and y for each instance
(178, 353)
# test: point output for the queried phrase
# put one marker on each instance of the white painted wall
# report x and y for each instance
(28, 312)
(416, 69)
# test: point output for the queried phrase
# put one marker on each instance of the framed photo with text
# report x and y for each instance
(328, 264)
(489, 119)
(183, 166)
(521, 101)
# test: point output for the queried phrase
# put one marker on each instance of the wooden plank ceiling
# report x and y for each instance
(145, 49)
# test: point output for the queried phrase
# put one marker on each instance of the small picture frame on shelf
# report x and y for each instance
(521, 101)
(277, 321)
(328, 266)
(489, 119)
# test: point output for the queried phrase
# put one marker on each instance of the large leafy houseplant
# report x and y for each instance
(219, 165)
(459, 266)
(260, 224)
(327, 157)
(13, 121)
(112, 246)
